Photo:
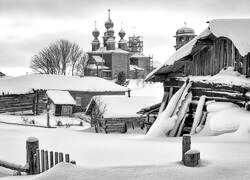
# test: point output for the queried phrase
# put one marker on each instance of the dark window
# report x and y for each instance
(134, 62)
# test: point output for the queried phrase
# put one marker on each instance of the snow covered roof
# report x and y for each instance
(117, 106)
(60, 97)
(98, 59)
(237, 30)
(94, 66)
(28, 83)
(227, 76)
(134, 68)
(138, 55)
(103, 50)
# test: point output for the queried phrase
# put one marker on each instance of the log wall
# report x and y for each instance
(23, 102)
(213, 91)
(210, 59)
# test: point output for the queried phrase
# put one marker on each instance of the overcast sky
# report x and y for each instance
(26, 26)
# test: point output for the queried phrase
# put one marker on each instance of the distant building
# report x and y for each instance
(183, 36)
(108, 61)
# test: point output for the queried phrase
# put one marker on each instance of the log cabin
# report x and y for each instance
(217, 62)
(28, 92)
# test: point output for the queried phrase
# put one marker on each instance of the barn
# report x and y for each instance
(117, 113)
(215, 64)
(28, 92)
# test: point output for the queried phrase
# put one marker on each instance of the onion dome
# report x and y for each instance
(185, 31)
(109, 24)
(122, 34)
(96, 33)
(110, 32)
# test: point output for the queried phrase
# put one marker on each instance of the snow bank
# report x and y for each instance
(26, 84)
(219, 106)
(147, 89)
(226, 117)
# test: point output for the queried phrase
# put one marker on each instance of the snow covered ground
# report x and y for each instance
(41, 120)
(140, 88)
(128, 156)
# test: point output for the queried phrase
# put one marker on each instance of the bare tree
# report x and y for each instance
(61, 57)
(97, 113)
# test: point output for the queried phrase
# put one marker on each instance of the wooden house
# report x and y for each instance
(217, 62)
(111, 114)
(28, 93)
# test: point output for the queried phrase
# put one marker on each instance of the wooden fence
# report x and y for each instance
(37, 161)
(45, 160)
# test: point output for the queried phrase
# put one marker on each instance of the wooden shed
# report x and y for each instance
(111, 114)
(217, 62)
(61, 102)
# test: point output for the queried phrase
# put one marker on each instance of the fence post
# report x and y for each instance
(32, 144)
(60, 157)
(46, 160)
(56, 158)
(37, 161)
(51, 159)
(67, 158)
(186, 145)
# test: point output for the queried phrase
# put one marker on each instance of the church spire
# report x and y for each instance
(95, 43)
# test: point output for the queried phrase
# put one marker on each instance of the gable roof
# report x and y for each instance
(28, 83)
(237, 30)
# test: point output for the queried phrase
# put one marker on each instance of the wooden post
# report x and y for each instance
(37, 161)
(192, 158)
(66, 157)
(48, 117)
(60, 157)
(32, 144)
(186, 145)
(56, 158)
(42, 162)
(46, 160)
(51, 159)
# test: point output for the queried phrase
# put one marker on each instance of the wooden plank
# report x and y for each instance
(43, 160)
(56, 158)
(60, 157)
(51, 153)
(13, 166)
(37, 161)
(46, 160)
(67, 158)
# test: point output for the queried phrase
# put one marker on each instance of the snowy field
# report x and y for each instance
(127, 156)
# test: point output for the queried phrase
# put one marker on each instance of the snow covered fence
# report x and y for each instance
(44, 160)
(37, 160)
